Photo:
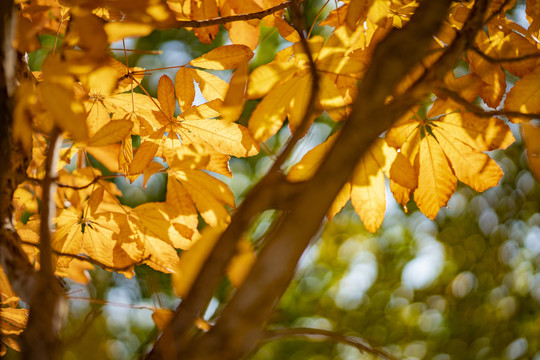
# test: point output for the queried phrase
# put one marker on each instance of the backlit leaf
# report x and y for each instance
(224, 57)
(113, 132)
(436, 181)
(184, 88)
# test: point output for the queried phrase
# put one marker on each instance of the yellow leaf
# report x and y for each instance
(473, 168)
(203, 10)
(113, 132)
(306, 168)
(244, 32)
(357, 11)
(224, 57)
(264, 77)
(146, 152)
(241, 263)
(523, 96)
(436, 182)
(161, 317)
(192, 261)
(403, 173)
(286, 30)
(155, 220)
(118, 30)
(234, 100)
(151, 169)
(269, 115)
(125, 156)
(401, 193)
(76, 271)
(506, 43)
(212, 87)
(181, 204)
(68, 112)
(79, 232)
(402, 131)
(368, 192)
(208, 193)
(299, 103)
(225, 137)
(378, 11)
(165, 93)
(340, 201)
(101, 81)
(181, 155)
(531, 137)
(491, 74)
(204, 111)
(185, 89)
(106, 155)
(482, 134)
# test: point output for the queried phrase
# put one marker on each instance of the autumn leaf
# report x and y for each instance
(531, 136)
(224, 57)
(111, 133)
(241, 263)
(192, 260)
(521, 98)
(366, 188)
(448, 148)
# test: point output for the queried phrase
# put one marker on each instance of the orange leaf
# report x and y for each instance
(185, 89)
(436, 182)
(165, 93)
(224, 57)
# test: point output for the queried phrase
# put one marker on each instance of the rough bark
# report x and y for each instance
(13, 165)
(40, 290)
(240, 326)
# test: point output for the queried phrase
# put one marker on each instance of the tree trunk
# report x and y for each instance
(40, 290)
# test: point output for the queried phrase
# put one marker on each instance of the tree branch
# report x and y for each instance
(92, 261)
(239, 329)
(47, 305)
(505, 59)
(477, 110)
(226, 19)
(311, 333)
(18, 269)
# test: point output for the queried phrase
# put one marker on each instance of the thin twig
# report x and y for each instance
(82, 187)
(109, 303)
(477, 110)
(233, 18)
(90, 260)
(494, 60)
(311, 333)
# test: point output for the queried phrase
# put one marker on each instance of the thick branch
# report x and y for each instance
(176, 335)
(240, 327)
(13, 161)
(40, 338)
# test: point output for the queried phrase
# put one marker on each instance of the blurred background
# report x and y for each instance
(465, 286)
